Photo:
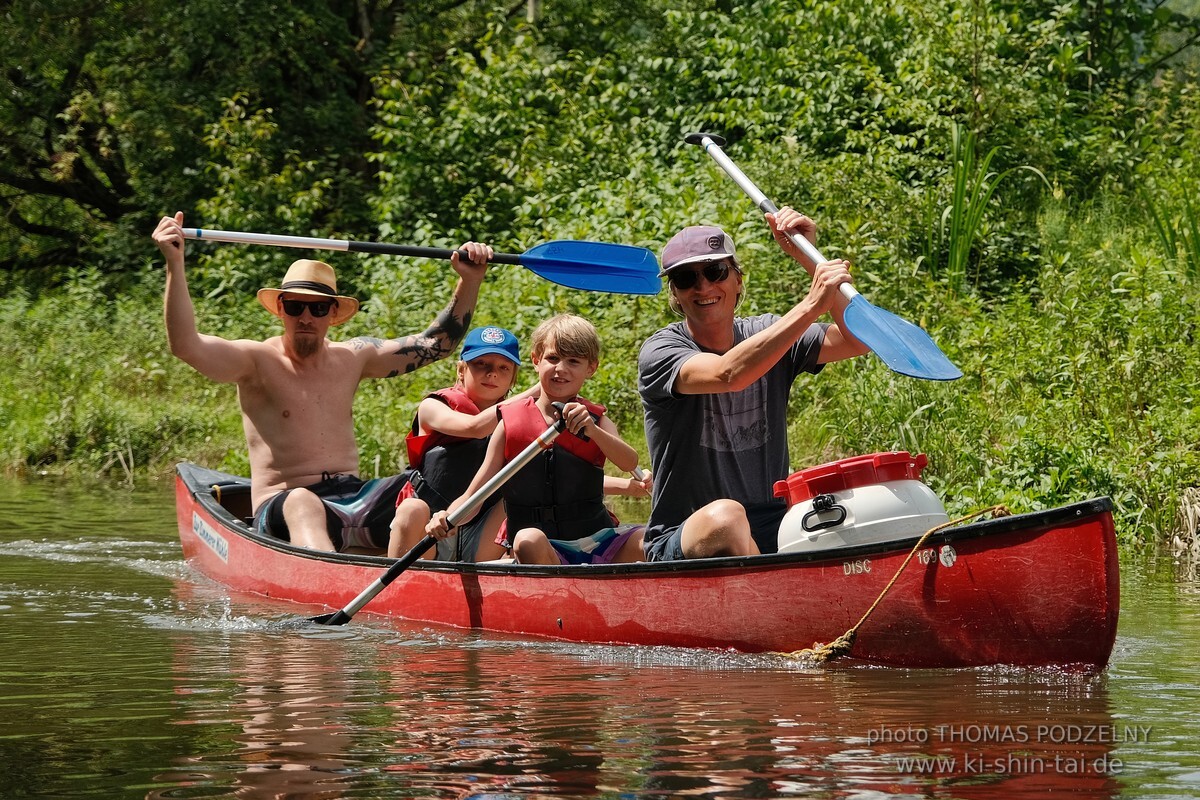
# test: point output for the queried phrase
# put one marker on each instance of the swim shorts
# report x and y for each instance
(599, 548)
(358, 513)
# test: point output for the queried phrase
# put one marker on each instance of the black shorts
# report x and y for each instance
(665, 543)
(358, 513)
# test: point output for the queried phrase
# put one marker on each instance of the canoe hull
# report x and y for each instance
(1034, 589)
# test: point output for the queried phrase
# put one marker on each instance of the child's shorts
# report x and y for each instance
(599, 548)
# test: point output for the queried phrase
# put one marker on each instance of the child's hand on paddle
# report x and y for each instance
(579, 420)
(439, 526)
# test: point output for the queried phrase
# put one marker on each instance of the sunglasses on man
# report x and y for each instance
(318, 308)
(713, 272)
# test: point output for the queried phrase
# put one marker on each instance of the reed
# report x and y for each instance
(1178, 229)
(954, 229)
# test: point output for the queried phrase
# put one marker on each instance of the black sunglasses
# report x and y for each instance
(713, 272)
(318, 308)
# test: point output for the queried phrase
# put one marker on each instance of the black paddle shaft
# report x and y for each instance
(417, 251)
(340, 617)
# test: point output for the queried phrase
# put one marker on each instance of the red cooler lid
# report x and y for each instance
(850, 473)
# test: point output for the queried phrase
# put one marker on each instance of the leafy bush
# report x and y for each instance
(1071, 311)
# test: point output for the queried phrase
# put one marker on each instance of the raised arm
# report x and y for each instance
(744, 363)
(387, 359)
(751, 358)
(437, 416)
(839, 343)
(216, 358)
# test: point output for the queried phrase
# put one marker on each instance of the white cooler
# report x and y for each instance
(857, 501)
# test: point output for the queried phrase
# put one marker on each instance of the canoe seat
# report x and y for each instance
(234, 497)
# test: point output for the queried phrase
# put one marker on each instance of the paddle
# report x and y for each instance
(900, 344)
(591, 266)
(461, 514)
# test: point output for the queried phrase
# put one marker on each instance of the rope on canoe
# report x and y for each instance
(820, 653)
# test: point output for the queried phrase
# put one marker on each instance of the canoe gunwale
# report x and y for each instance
(200, 479)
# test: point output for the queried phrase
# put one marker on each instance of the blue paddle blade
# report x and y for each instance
(903, 346)
(595, 266)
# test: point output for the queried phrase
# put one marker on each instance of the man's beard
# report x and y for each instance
(306, 345)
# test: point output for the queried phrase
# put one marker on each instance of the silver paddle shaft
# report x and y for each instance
(466, 510)
(341, 245)
(762, 201)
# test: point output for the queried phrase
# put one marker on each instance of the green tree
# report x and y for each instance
(105, 106)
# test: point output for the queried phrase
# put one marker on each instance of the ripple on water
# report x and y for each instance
(165, 685)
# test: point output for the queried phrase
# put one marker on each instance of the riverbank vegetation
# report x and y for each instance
(1019, 178)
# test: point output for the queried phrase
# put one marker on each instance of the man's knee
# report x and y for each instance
(302, 501)
(726, 517)
(308, 523)
(719, 528)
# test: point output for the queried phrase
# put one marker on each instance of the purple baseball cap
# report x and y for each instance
(697, 244)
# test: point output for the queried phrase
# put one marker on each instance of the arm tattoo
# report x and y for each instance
(438, 340)
(361, 342)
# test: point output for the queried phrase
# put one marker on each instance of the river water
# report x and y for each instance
(126, 674)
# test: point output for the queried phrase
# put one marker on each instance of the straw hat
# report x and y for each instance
(313, 278)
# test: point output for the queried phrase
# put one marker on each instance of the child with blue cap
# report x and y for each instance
(446, 445)
(555, 503)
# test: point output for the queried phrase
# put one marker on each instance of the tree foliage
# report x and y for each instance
(106, 109)
(431, 123)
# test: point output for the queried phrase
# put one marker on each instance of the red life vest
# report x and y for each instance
(523, 422)
(418, 444)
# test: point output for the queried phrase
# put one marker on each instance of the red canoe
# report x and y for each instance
(1032, 589)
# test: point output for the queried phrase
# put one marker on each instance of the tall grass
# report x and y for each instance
(1178, 230)
(954, 228)
(1081, 381)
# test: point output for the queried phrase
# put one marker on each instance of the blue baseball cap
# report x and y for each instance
(482, 341)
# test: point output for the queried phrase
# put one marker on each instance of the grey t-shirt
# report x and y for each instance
(704, 447)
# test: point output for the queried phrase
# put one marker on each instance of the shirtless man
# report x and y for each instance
(296, 392)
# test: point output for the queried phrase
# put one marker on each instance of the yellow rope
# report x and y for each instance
(820, 653)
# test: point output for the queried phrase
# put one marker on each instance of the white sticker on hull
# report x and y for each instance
(215, 541)
(947, 556)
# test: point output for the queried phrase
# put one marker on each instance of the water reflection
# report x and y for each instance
(387, 711)
(126, 674)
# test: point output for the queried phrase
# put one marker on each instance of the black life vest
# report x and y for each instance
(561, 491)
(442, 465)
